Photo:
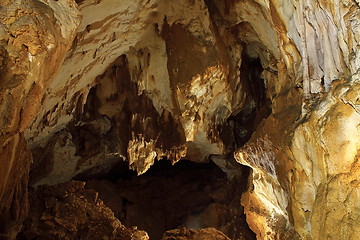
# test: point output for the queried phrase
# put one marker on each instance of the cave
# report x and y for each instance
(194, 119)
(186, 194)
(170, 194)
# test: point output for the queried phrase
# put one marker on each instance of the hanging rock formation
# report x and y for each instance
(86, 84)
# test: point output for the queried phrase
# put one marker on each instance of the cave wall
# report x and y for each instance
(34, 40)
(90, 83)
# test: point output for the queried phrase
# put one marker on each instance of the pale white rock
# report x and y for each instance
(65, 12)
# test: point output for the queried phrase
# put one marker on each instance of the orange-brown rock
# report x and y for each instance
(68, 211)
(34, 39)
(190, 234)
(15, 159)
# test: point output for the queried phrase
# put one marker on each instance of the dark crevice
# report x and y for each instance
(257, 107)
(239, 127)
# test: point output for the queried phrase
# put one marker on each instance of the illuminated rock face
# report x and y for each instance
(87, 84)
(140, 82)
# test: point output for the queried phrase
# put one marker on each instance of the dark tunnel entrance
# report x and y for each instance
(257, 106)
(187, 194)
(240, 126)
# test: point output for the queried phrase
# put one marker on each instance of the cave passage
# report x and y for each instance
(241, 125)
(187, 194)
(257, 104)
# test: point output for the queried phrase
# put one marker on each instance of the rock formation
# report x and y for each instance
(87, 84)
(202, 234)
(68, 211)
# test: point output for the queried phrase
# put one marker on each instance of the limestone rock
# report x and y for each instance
(326, 153)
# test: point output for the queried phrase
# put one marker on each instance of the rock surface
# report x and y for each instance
(15, 161)
(88, 83)
(201, 234)
(68, 211)
(34, 38)
(130, 84)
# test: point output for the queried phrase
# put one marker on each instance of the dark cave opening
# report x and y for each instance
(186, 194)
(240, 126)
(257, 107)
